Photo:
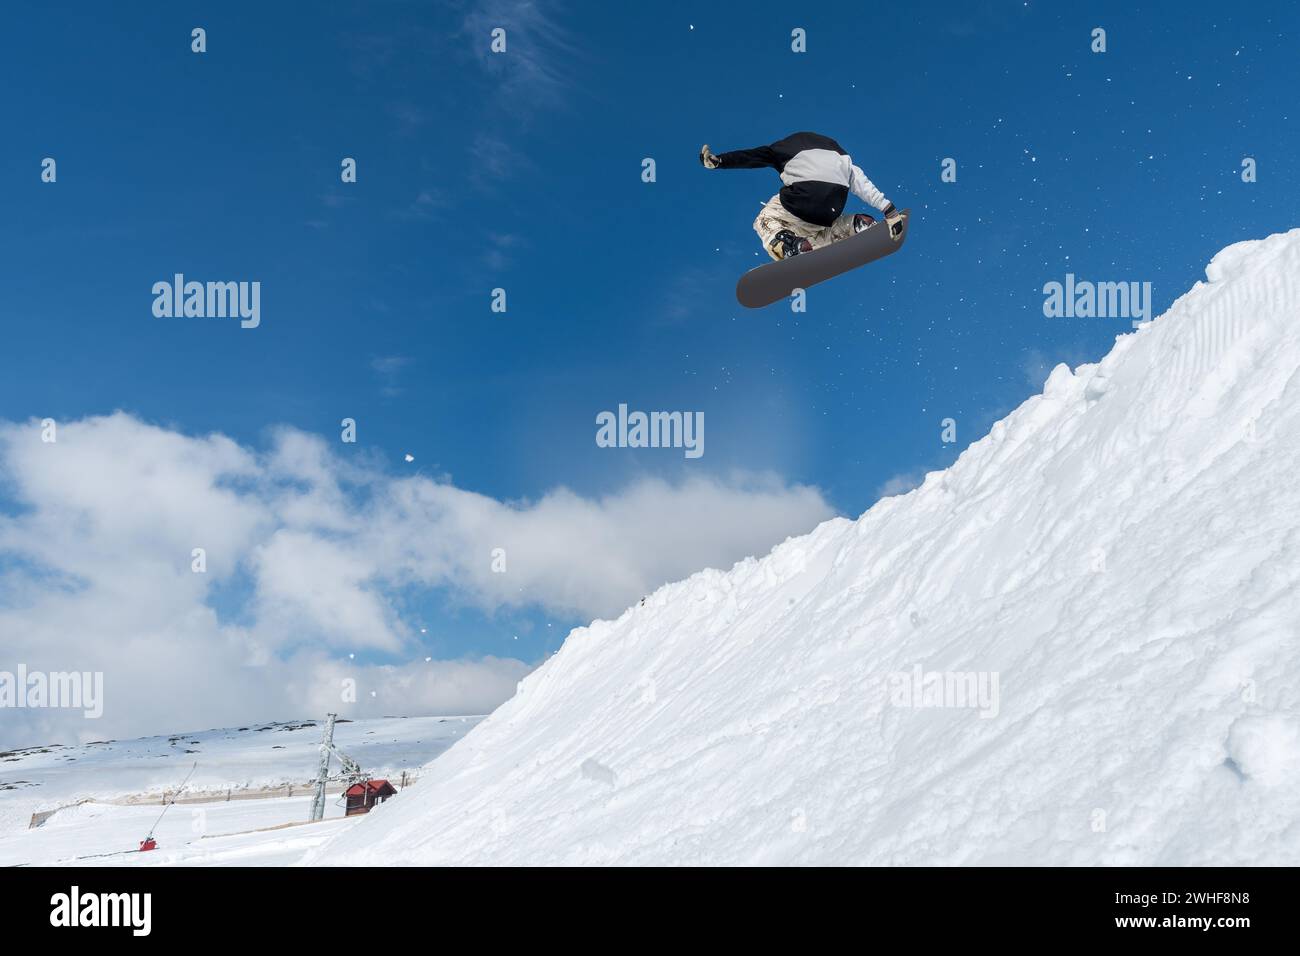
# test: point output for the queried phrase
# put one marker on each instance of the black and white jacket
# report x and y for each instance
(818, 175)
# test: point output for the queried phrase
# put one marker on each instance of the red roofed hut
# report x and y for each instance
(362, 796)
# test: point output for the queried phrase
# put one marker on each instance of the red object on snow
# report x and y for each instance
(148, 844)
(361, 797)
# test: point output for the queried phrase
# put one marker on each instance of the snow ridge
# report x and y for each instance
(1117, 561)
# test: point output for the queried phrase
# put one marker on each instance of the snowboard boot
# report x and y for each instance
(786, 244)
(861, 221)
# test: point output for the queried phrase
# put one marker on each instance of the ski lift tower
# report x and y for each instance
(351, 769)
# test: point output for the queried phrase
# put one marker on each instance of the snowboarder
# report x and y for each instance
(817, 176)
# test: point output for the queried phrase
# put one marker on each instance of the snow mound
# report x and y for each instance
(1077, 645)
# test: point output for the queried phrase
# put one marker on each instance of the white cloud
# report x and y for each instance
(389, 364)
(1037, 365)
(309, 585)
(493, 160)
(589, 556)
(427, 204)
(531, 72)
(901, 483)
(389, 368)
(308, 557)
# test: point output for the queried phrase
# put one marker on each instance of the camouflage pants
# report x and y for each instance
(774, 217)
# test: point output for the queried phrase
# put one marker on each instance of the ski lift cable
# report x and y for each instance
(174, 798)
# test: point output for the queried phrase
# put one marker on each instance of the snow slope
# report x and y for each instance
(1122, 552)
(265, 755)
(266, 832)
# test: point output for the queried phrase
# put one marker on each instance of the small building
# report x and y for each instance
(362, 796)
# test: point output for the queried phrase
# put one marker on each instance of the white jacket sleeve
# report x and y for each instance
(865, 189)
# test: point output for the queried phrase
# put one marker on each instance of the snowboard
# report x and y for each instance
(776, 280)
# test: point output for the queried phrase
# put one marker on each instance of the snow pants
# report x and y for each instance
(774, 217)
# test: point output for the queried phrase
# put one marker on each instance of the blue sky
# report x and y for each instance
(522, 171)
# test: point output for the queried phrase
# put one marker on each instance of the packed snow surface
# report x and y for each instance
(1121, 554)
(268, 832)
(237, 759)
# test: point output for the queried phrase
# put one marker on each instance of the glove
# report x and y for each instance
(707, 159)
(895, 222)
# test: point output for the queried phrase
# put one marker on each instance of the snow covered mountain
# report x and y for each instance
(259, 757)
(1077, 645)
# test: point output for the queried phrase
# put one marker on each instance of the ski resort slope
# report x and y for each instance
(239, 759)
(1122, 552)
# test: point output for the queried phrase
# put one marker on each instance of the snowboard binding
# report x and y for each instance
(786, 244)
